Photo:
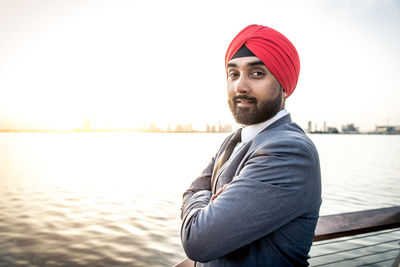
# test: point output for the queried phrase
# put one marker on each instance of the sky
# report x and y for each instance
(125, 64)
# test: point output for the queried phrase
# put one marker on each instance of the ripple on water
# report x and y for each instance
(65, 211)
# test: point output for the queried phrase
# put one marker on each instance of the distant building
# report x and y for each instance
(332, 130)
(220, 128)
(387, 129)
(86, 125)
(325, 130)
(309, 127)
(179, 128)
(188, 127)
(224, 128)
(350, 129)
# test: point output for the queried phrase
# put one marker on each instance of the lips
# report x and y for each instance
(244, 101)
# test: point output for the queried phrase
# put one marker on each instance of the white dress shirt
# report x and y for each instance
(251, 131)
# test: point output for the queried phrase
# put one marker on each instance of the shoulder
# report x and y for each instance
(286, 146)
(283, 157)
(285, 137)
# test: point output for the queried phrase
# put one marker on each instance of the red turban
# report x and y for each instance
(273, 49)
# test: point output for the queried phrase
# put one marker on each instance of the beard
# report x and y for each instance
(255, 114)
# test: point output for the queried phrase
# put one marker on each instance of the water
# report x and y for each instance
(113, 199)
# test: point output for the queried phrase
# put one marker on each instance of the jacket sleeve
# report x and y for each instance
(202, 183)
(278, 183)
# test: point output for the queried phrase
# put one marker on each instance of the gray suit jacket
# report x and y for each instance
(268, 213)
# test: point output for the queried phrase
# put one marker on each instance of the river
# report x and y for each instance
(113, 199)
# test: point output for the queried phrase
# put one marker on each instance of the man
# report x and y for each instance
(259, 205)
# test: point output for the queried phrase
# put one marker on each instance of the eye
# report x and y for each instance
(258, 74)
(233, 74)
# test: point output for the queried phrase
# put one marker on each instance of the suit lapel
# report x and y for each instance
(217, 173)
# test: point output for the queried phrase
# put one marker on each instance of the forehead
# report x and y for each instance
(244, 62)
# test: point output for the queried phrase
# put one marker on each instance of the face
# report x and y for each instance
(254, 94)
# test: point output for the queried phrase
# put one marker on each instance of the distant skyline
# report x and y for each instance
(209, 127)
(124, 64)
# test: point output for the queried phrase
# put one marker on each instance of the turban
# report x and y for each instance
(273, 49)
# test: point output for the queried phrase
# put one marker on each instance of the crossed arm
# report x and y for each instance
(274, 187)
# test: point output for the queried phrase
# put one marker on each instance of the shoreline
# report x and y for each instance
(144, 131)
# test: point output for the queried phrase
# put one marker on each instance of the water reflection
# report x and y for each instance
(113, 199)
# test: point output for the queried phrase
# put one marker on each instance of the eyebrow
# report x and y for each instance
(255, 63)
(250, 64)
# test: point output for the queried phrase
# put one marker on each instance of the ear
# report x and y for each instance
(284, 95)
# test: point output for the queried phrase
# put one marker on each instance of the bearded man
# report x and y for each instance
(257, 202)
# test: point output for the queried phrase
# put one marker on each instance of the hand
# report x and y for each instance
(219, 192)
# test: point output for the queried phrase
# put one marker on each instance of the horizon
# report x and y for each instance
(188, 127)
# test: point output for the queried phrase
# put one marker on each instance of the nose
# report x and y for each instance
(241, 85)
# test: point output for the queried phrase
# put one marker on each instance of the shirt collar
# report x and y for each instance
(251, 131)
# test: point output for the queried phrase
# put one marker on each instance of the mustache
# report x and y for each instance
(244, 97)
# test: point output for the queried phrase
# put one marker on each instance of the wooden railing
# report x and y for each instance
(359, 222)
(347, 224)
